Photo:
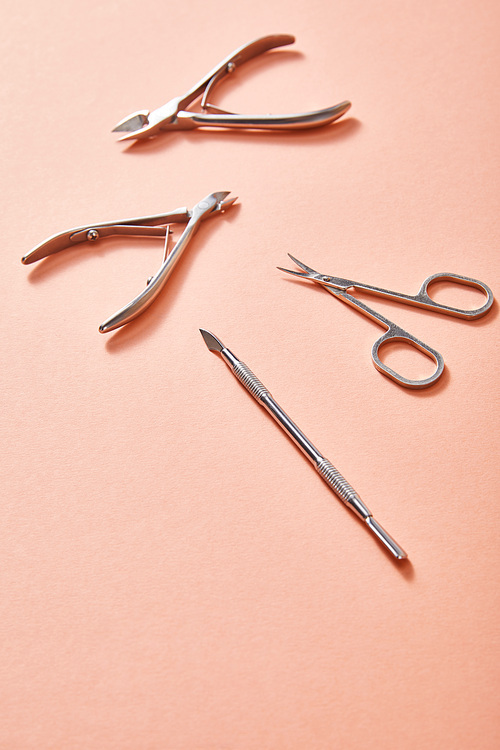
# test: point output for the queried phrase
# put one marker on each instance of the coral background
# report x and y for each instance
(174, 575)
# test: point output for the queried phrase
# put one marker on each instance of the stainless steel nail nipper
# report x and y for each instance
(143, 226)
(174, 116)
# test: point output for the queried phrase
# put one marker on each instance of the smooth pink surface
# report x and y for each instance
(174, 575)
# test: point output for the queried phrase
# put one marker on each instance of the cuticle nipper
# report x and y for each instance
(174, 114)
(143, 226)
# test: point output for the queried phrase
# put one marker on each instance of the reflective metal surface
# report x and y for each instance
(174, 116)
(145, 226)
(325, 469)
(339, 288)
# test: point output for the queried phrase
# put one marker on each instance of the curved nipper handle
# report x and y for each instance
(210, 205)
(395, 333)
(223, 119)
(238, 57)
(142, 226)
(296, 121)
(155, 284)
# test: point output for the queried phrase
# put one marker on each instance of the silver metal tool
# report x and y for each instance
(174, 116)
(339, 288)
(322, 465)
(143, 226)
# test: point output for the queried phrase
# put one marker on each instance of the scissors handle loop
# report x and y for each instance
(395, 333)
(423, 299)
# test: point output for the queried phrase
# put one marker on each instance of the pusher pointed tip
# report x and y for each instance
(211, 341)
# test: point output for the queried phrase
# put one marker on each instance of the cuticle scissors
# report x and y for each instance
(339, 288)
(174, 116)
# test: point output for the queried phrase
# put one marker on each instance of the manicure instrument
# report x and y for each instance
(325, 469)
(144, 226)
(339, 288)
(175, 116)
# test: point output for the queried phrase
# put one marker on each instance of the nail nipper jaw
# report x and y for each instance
(132, 123)
(211, 205)
(145, 124)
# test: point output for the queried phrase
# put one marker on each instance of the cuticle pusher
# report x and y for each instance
(327, 471)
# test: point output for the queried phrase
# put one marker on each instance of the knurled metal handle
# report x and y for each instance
(342, 488)
(250, 381)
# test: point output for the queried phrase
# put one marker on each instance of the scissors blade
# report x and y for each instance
(310, 273)
(332, 284)
(303, 265)
(294, 273)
